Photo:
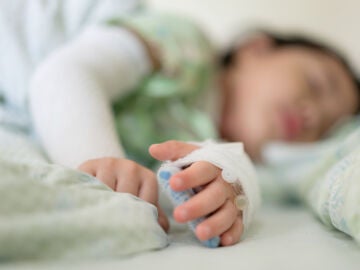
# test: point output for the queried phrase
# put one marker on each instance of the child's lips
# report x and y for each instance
(292, 125)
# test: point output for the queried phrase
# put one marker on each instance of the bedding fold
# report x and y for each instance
(51, 212)
(324, 175)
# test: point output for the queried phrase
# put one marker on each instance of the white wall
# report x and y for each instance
(336, 21)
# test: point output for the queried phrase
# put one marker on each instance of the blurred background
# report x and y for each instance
(334, 21)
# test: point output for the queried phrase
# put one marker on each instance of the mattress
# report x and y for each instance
(282, 237)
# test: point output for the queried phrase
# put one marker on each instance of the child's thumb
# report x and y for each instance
(171, 150)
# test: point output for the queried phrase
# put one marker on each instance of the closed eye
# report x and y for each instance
(314, 85)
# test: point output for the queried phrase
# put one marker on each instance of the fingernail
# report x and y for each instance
(154, 144)
(206, 231)
(183, 213)
(177, 182)
(228, 240)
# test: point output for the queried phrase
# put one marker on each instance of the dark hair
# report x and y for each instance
(298, 40)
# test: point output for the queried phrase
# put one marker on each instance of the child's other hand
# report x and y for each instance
(215, 200)
(123, 175)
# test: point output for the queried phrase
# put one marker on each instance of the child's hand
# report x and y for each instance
(123, 175)
(215, 200)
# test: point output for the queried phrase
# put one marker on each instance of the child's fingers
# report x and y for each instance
(149, 192)
(129, 177)
(217, 223)
(149, 188)
(108, 178)
(203, 203)
(126, 184)
(171, 150)
(198, 174)
(88, 168)
(233, 234)
(162, 219)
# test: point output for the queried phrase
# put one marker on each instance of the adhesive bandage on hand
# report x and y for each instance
(240, 200)
(237, 170)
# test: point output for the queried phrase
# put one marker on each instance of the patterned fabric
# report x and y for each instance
(31, 30)
(49, 211)
(163, 107)
(324, 175)
(333, 188)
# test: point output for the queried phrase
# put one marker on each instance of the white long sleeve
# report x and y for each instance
(31, 29)
(72, 90)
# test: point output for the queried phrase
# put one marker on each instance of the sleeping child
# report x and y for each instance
(100, 100)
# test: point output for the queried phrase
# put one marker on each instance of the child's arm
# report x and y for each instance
(72, 89)
(215, 168)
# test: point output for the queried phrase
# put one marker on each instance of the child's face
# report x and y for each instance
(290, 94)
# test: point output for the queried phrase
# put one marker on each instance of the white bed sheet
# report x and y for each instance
(281, 238)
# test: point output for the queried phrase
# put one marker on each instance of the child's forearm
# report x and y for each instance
(72, 90)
